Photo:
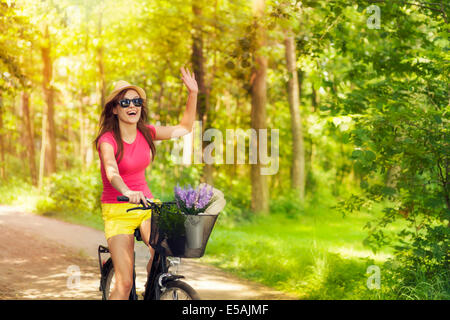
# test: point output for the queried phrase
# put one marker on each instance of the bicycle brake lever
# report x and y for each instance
(140, 208)
(149, 203)
(126, 199)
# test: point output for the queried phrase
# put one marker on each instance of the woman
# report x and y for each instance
(125, 146)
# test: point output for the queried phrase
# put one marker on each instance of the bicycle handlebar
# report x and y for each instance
(152, 204)
(126, 199)
(123, 198)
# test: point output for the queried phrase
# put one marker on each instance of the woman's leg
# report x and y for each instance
(121, 247)
(145, 229)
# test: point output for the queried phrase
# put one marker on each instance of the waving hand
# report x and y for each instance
(189, 80)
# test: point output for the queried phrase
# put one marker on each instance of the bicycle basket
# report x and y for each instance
(176, 234)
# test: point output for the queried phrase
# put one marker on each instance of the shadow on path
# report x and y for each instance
(38, 254)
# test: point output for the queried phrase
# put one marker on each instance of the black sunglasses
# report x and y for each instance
(125, 103)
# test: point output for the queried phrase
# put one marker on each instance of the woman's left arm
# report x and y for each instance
(187, 122)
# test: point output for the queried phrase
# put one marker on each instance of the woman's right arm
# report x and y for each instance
(112, 173)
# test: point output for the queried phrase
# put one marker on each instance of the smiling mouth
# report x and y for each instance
(132, 113)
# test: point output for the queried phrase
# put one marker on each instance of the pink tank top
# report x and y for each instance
(136, 157)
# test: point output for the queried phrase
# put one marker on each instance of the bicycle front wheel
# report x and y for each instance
(178, 290)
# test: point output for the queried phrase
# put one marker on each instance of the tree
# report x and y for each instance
(49, 138)
(298, 153)
(2, 146)
(260, 190)
(198, 64)
(400, 105)
(29, 136)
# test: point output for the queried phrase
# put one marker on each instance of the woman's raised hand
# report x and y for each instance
(189, 80)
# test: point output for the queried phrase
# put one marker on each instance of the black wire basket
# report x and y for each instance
(176, 234)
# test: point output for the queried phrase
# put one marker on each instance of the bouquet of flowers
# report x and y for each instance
(199, 206)
(194, 201)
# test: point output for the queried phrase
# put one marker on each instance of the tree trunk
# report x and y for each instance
(298, 152)
(260, 191)
(29, 136)
(50, 143)
(314, 98)
(2, 146)
(392, 175)
(42, 159)
(89, 127)
(160, 101)
(198, 64)
(81, 118)
(393, 172)
(102, 86)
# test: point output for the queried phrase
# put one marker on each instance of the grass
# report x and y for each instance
(315, 255)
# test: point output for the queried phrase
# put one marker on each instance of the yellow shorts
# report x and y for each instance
(118, 221)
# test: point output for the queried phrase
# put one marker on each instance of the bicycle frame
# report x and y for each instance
(159, 275)
(158, 267)
(157, 278)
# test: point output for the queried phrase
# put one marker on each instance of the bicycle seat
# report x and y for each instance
(137, 234)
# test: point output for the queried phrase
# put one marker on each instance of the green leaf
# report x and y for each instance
(357, 154)
(369, 155)
(388, 191)
(363, 184)
(437, 118)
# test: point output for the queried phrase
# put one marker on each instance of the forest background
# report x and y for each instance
(359, 207)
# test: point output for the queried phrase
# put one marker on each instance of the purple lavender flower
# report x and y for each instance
(204, 197)
(190, 198)
(180, 195)
(193, 201)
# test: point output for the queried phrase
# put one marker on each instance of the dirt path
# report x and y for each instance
(39, 257)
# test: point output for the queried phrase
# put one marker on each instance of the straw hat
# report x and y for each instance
(122, 84)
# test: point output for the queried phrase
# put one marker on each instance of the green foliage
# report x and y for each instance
(171, 221)
(374, 111)
(297, 254)
(402, 148)
(15, 191)
(72, 193)
(339, 278)
(233, 214)
(413, 282)
(288, 204)
(16, 36)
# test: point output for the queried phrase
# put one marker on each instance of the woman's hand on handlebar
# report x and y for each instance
(136, 197)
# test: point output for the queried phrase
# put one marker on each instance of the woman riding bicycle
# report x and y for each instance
(125, 144)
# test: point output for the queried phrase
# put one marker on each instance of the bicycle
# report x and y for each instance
(172, 240)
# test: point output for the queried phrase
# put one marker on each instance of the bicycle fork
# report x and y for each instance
(160, 276)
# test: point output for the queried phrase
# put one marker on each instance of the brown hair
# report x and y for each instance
(110, 122)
